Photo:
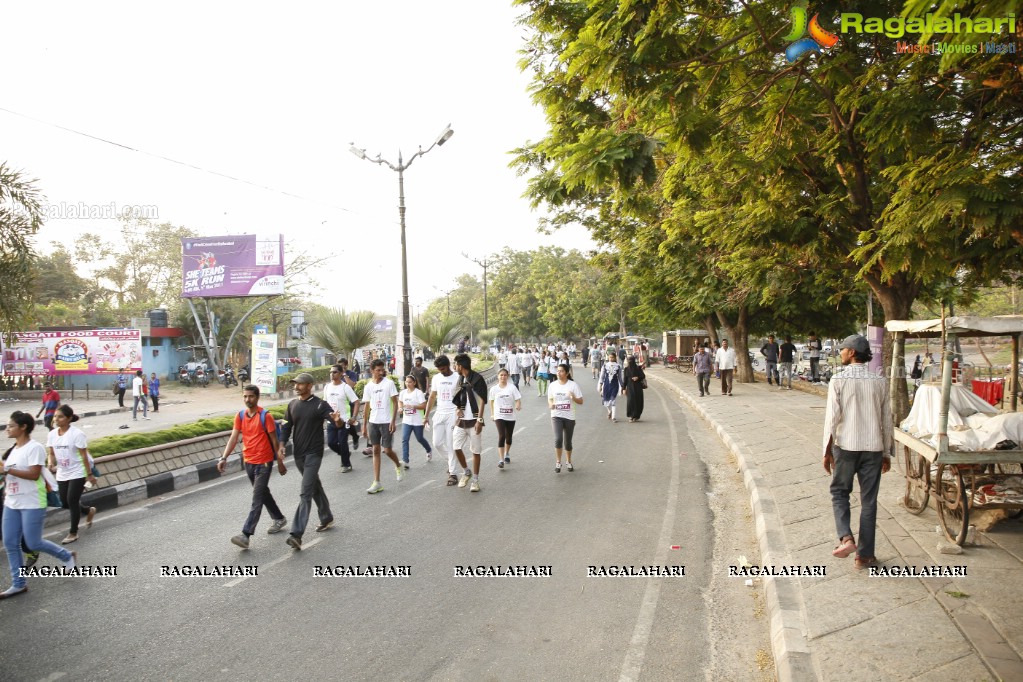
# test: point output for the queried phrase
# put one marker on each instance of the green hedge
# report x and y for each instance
(111, 445)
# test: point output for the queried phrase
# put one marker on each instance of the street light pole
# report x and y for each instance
(485, 263)
(406, 322)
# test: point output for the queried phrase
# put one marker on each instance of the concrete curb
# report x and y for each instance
(793, 658)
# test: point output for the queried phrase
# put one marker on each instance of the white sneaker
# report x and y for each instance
(71, 563)
(375, 488)
(464, 480)
(398, 473)
(475, 487)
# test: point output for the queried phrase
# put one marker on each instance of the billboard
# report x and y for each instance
(264, 362)
(239, 265)
(92, 351)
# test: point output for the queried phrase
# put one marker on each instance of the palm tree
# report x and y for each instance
(436, 333)
(341, 333)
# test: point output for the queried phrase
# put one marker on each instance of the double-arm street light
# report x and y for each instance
(399, 168)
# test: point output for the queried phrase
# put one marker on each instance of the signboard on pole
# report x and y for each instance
(264, 362)
(875, 336)
(92, 351)
(239, 265)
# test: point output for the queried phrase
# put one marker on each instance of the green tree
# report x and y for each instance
(20, 219)
(436, 333)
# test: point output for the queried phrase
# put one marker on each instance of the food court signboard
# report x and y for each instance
(239, 265)
(91, 351)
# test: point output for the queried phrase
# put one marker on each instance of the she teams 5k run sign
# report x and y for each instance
(238, 265)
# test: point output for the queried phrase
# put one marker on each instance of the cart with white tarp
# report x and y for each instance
(957, 448)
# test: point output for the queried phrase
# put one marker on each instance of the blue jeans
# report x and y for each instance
(135, 407)
(311, 491)
(407, 431)
(259, 477)
(866, 467)
(337, 440)
(27, 523)
(772, 372)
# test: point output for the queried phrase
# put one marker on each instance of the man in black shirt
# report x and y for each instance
(422, 376)
(787, 352)
(305, 417)
(470, 398)
(770, 352)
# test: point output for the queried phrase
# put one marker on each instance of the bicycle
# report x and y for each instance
(684, 363)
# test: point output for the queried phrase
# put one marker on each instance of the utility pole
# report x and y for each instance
(485, 264)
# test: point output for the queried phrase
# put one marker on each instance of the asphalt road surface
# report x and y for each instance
(638, 490)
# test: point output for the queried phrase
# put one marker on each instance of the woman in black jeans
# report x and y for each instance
(68, 457)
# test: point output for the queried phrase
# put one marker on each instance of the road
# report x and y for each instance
(638, 490)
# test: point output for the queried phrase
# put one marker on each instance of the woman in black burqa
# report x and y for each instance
(635, 382)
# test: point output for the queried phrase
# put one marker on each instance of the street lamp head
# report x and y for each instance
(361, 153)
(445, 135)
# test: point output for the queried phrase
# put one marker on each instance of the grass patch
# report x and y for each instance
(957, 595)
(112, 445)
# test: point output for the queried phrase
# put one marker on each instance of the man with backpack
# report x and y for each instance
(260, 440)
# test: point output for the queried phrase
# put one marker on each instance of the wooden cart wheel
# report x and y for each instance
(953, 507)
(918, 481)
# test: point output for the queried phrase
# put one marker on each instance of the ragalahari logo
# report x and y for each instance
(819, 38)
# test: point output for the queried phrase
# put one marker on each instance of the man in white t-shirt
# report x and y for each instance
(343, 400)
(525, 365)
(442, 390)
(502, 359)
(512, 365)
(379, 422)
(138, 395)
(726, 364)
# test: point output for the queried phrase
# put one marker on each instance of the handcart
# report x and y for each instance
(957, 481)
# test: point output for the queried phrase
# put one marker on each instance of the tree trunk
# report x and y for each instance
(896, 298)
(710, 324)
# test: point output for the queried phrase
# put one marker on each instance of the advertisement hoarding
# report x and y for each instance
(264, 362)
(239, 265)
(93, 351)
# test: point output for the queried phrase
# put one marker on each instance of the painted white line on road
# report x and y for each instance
(634, 655)
(539, 417)
(276, 561)
(421, 485)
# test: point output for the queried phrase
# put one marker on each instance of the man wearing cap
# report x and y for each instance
(304, 419)
(726, 364)
(858, 442)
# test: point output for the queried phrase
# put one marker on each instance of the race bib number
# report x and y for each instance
(335, 403)
(12, 485)
(410, 410)
(506, 410)
(64, 462)
(562, 407)
(445, 394)
(378, 401)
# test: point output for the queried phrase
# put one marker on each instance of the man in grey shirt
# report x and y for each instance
(770, 352)
(859, 442)
(702, 368)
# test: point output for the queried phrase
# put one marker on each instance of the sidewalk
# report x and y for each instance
(847, 625)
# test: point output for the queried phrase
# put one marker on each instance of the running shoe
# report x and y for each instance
(507, 460)
(475, 487)
(398, 473)
(429, 457)
(12, 590)
(405, 464)
(294, 542)
(557, 468)
(368, 452)
(30, 559)
(500, 464)
(464, 481)
(375, 488)
(452, 480)
(72, 562)
(277, 526)
(324, 526)
(241, 540)
(346, 470)
(570, 467)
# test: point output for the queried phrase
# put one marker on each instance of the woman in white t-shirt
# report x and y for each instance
(68, 458)
(412, 405)
(562, 397)
(25, 501)
(505, 400)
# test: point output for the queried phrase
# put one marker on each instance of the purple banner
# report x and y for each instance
(239, 265)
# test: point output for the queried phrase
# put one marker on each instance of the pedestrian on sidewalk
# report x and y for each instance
(634, 385)
(586, 354)
(258, 431)
(421, 374)
(726, 365)
(25, 488)
(858, 442)
(154, 391)
(543, 375)
(526, 363)
(442, 390)
(343, 400)
(513, 367)
(138, 396)
(120, 386)
(412, 403)
(596, 361)
(702, 365)
(505, 400)
(714, 355)
(470, 400)
(379, 420)
(51, 401)
(68, 459)
(786, 356)
(609, 385)
(814, 345)
(304, 418)
(351, 377)
(562, 397)
(770, 352)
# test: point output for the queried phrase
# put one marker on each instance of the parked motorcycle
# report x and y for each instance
(227, 377)
(243, 374)
(200, 377)
(183, 376)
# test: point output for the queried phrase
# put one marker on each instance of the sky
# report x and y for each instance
(275, 97)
